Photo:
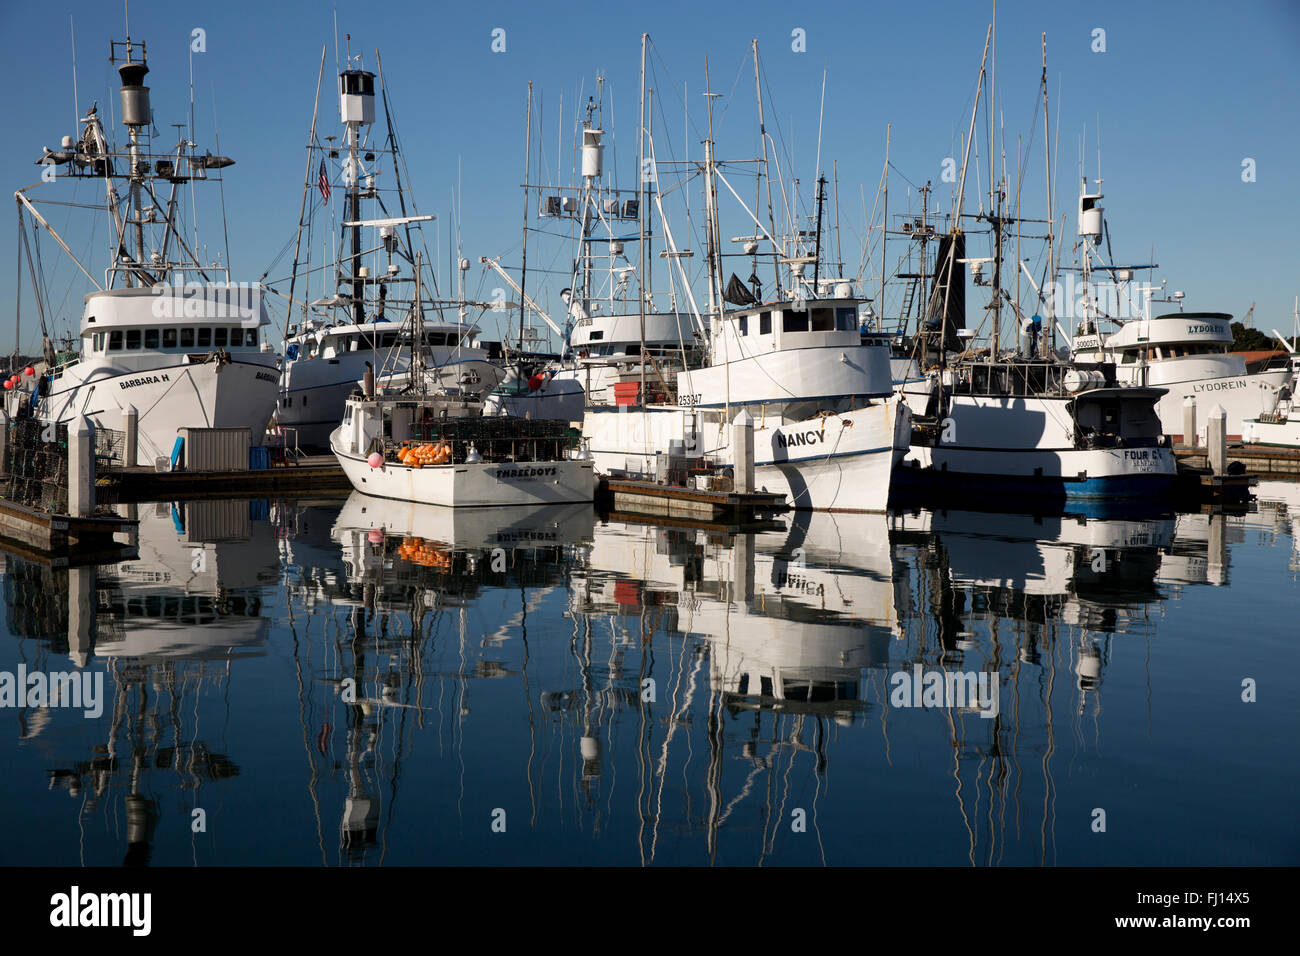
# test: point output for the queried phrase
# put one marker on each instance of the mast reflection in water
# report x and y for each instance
(369, 682)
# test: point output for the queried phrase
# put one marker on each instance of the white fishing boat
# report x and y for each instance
(336, 337)
(528, 462)
(437, 448)
(1039, 428)
(164, 334)
(827, 431)
(1024, 423)
(1186, 353)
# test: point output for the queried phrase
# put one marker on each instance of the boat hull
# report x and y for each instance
(838, 462)
(476, 485)
(167, 399)
(1074, 474)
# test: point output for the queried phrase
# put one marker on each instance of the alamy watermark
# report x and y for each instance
(217, 300)
(974, 690)
(78, 689)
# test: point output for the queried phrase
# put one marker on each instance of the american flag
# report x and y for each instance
(323, 182)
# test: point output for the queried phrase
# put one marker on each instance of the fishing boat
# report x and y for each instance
(827, 430)
(406, 443)
(1023, 422)
(1186, 353)
(336, 336)
(164, 334)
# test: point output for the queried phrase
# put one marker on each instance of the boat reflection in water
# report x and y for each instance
(411, 575)
(734, 676)
(624, 693)
(163, 631)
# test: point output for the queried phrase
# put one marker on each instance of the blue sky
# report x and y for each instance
(1183, 93)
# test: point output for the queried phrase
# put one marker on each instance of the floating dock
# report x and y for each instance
(313, 474)
(56, 535)
(1258, 460)
(648, 499)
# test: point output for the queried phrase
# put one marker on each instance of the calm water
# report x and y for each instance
(364, 683)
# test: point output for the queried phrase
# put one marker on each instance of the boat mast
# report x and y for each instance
(762, 135)
(1050, 318)
(302, 209)
(711, 206)
(641, 215)
(523, 271)
(995, 190)
(417, 328)
(357, 106)
(817, 247)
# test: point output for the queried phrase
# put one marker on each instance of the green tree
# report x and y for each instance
(1250, 340)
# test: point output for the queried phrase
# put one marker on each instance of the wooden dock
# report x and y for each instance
(1258, 460)
(55, 535)
(314, 474)
(648, 499)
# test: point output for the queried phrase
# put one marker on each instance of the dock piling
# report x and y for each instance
(1189, 421)
(1216, 440)
(131, 428)
(81, 468)
(742, 447)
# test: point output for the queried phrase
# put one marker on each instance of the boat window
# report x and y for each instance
(743, 324)
(114, 341)
(187, 338)
(250, 337)
(132, 338)
(765, 323)
(597, 334)
(169, 338)
(794, 321)
(219, 337)
(205, 338)
(823, 320)
(95, 341)
(1130, 356)
(388, 340)
(151, 338)
(236, 337)
(437, 338)
(846, 319)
